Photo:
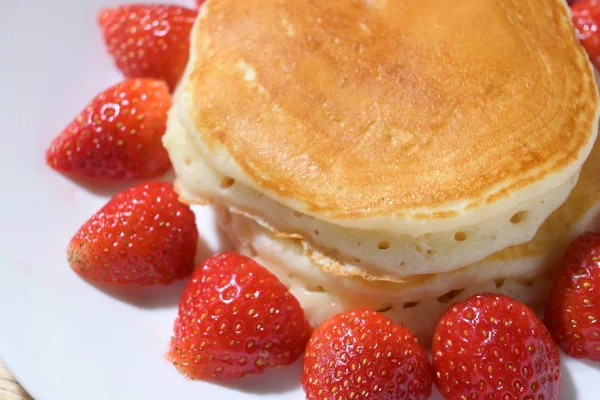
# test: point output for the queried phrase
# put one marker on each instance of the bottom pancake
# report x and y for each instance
(416, 304)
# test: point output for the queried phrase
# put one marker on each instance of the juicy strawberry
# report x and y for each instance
(363, 354)
(573, 309)
(586, 17)
(151, 41)
(143, 235)
(236, 318)
(117, 135)
(494, 347)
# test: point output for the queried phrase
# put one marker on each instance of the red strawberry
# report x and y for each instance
(494, 347)
(573, 310)
(586, 17)
(151, 41)
(363, 354)
(236, 318)
(143, 235)
(118, 134)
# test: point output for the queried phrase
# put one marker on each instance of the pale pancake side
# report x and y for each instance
(390, 114)
(417, 307)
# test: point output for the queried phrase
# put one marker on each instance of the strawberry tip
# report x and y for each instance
(104, 16)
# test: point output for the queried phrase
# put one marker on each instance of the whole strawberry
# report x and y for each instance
(494, 347)
(573, 308)
(117, 135)
(143, 235)
(363, 354)
(236, 318)
(148, 40)
(586, 18)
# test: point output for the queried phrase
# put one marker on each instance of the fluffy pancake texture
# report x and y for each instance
(523, 271)
(405, 116)
(417, 301)
(371, 254)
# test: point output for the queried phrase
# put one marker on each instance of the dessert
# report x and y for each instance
(235, 318)
(493, 347)
(398, 156)
(573, 309)
(143, 235)
(389, 154)
(363, 354)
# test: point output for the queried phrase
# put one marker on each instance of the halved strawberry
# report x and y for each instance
(236, 318)
(148, 40)
(143, 235)
(117, 135)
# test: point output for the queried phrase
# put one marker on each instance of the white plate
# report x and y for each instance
(63, 338)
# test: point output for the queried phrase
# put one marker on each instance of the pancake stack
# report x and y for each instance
(398, 155)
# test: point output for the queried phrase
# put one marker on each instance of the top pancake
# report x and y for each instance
(388, 114)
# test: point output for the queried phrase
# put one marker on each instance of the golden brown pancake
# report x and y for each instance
(239, 115)
(387, 114)
(370, 253)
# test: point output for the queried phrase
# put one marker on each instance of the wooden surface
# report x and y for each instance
(9, 389)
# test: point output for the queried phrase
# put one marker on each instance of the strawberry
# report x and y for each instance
(143, 235)
(493, 347)
(586, 17)
(236, 318)
(363, 354)
(117, 135)
(573, 309)
(151, 41)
